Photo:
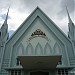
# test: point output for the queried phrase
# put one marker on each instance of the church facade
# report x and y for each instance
(38, 47)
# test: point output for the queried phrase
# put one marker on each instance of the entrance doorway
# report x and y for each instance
(39, 73)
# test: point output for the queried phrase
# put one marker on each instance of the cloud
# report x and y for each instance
(3, 16)
(16, 13)
(70, 6)
(16, 19)
(11, 32)
(20, 9)
(47, 5)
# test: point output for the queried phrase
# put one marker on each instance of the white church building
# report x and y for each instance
(37, 47)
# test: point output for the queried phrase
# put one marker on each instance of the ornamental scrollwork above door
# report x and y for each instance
(38, 33)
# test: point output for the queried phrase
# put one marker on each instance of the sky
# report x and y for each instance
(21, 9)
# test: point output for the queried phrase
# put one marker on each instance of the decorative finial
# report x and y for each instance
(5, 22)
(68, 15)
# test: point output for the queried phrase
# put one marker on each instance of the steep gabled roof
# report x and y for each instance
(31, 18)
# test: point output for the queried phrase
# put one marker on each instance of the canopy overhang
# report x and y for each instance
(39, 62)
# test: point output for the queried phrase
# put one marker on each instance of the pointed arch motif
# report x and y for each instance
(56, 48)
(29, 49)
(47, 49)
(20, 50)
(38, 49)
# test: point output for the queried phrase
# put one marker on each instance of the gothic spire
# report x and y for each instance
(5, 22)
(4, 28)
(68, 15)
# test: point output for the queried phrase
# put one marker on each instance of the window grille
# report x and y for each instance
(62, 72)
(16, 72)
